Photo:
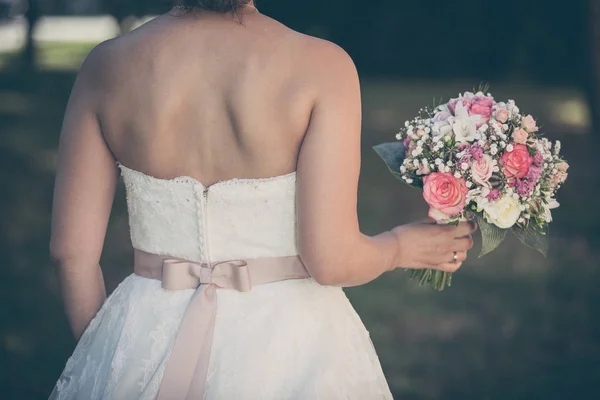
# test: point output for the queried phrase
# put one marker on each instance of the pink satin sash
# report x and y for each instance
(187, 367)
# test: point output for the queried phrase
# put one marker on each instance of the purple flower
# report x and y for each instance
(534, 173)
(493, 195)
(476, 152)
(538, 158)
(524, 187)
(466, 159)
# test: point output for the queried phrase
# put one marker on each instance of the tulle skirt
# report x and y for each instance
(291, 339)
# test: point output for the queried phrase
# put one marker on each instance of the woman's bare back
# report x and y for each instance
(206, 96)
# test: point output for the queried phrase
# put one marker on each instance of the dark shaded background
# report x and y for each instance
(513, 325)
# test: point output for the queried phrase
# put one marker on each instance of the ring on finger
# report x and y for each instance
(454, 256)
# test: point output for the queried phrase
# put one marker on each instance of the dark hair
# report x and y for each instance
(222, 6)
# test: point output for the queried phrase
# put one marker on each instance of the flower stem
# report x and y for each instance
(438, 280)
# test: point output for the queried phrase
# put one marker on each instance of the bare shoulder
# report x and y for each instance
(327, 61)
(315, 54)
(106, 58)
(97, 68)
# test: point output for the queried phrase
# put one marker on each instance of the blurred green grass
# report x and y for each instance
(52, 55)
(513, 325)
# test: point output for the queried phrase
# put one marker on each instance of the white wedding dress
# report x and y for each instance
(292, 339)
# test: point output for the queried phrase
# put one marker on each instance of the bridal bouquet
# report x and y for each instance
(475, 156)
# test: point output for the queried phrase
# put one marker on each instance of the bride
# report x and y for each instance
(238, 141)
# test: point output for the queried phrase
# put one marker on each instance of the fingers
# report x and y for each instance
(463, 243)
(449, 267)
(465, 228)
(447, 264)
(461, 256)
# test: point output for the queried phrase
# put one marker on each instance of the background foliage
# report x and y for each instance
(512, 326)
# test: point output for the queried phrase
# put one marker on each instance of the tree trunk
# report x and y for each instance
(28, 55)
(593, 83)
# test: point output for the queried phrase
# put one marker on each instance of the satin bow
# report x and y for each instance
(180, 274)
(187, 367)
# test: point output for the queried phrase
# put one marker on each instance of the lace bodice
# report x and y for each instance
(231, 219)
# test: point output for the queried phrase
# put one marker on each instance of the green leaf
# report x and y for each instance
(491, 235)
(393, 154)
(534, 236)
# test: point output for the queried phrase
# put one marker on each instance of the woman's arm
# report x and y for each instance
(85, 184)
(330, 242)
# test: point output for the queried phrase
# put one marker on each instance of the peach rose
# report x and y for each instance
(482, 169)
(423, 169)
(562, 166)
(529, 124)
(516, 163)
(561, 176)
(520, 136)
(558, 179)
(445, 193)
(502, 115)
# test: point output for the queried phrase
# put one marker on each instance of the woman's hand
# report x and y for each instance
(429, 245)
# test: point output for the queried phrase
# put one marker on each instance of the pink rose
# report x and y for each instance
(529, 124)
(482, 105)
(502, 115)
(482, 169)
(466, 102)
(520, 136)
(516, 163)
(445, 193)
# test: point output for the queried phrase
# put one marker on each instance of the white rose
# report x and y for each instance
(503, 212)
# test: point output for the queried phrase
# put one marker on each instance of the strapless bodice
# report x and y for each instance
(232, 219)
